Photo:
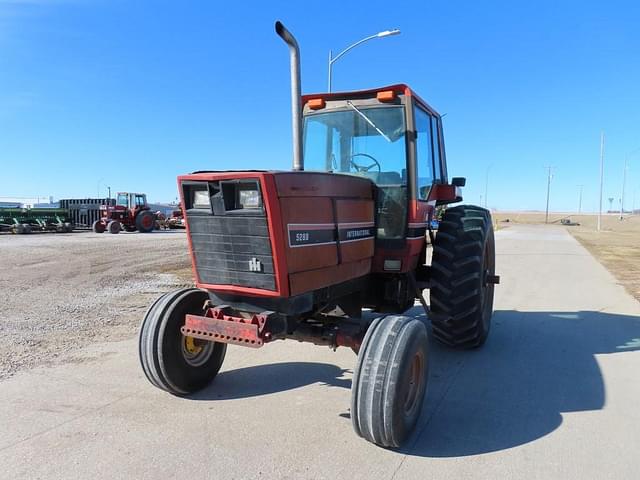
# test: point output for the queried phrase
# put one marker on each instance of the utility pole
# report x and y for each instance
(580, 199)
(601, 178)
(546, 217)
(486, 186)
(624, 182)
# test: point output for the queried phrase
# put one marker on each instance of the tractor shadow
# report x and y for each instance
(534, 367)
(273, 378)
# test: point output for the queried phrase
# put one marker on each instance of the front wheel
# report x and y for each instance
(98, 227)
(390, 380)
(114, 227)
(171, 361)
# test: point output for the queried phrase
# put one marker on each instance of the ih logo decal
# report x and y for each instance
(255, 265)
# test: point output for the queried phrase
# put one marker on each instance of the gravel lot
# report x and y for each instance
(60, 292)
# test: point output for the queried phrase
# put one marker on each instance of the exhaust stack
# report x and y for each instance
(296, 107)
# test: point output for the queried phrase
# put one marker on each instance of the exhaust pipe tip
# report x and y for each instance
(279, 28)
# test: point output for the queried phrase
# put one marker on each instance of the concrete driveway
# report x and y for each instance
(553, 394)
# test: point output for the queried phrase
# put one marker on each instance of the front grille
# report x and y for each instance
(227, 247)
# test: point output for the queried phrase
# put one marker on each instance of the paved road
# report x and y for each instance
(553, 394)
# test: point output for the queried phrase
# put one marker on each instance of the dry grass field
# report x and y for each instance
(616, 246)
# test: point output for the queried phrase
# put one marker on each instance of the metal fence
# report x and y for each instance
(84, 211)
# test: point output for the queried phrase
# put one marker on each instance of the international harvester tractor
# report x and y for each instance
(130, 212)
(301, 254)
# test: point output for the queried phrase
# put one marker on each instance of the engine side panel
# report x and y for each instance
(328, 224)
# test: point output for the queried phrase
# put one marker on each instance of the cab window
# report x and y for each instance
(424, 152)
(435, 134)
(123, 200)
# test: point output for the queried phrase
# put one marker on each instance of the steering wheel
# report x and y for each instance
(364, 168)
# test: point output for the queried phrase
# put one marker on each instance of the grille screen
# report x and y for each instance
(232, 250)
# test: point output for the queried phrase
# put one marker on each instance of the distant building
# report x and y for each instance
(44, 201)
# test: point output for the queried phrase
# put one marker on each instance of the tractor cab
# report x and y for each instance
(132, 201)
(389, 136)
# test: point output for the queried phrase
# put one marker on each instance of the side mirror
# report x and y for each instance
(458, 181)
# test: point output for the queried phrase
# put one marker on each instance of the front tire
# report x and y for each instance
(172, 362)
(463, 266)
(98, 227)
(114, 227)
(390, 380)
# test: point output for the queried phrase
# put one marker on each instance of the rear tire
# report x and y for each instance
(165, 356)
(463, 261)
(145, 221)
(114, 227)
(390, 380)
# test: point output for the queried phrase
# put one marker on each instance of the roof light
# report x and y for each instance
(316, 103)
(386, 96)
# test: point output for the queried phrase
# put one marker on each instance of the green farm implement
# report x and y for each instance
(27, 220)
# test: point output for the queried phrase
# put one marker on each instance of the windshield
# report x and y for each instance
(123, 200)
(365, 141)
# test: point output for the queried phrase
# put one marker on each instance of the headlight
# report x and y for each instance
(248, 196)
(200, 199)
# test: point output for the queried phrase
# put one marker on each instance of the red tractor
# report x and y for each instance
(176, 220)
(130, 212)
(302, 254)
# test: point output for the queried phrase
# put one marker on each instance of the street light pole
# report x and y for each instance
(332, 60)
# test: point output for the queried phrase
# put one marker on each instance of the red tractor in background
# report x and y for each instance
(130, 212)
(176, 220)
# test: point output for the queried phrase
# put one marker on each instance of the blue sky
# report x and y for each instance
(132, 93)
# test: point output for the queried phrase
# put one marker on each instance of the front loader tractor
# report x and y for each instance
(302, 254)
(130, 212)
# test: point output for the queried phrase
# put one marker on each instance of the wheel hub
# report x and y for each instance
(194, 351)
(414, 383)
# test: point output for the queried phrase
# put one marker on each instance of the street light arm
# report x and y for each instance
(332, 60)
(350, 47)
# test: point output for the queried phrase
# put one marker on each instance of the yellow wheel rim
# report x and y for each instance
(191, 347)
